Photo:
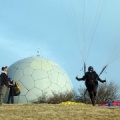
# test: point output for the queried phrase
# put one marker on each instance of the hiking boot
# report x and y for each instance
(93, 102)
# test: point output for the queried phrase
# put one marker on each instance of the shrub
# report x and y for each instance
(56, 98)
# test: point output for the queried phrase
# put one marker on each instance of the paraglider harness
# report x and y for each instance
(93, 81)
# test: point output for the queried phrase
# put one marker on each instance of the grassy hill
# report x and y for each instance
(57, 112)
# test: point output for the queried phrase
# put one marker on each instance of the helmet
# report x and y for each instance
(10, 79)
(90, 68)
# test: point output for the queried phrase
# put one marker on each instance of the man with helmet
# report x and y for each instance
(91, 79)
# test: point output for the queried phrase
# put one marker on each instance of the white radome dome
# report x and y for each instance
(37, 77)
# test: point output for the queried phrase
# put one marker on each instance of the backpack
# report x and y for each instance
(16, 89)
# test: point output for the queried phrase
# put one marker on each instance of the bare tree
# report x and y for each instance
(107, 92)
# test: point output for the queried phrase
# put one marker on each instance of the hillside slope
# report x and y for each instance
(57, 112)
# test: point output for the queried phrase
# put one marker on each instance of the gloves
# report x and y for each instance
(103, 81)
(76, 78)
(79, 79)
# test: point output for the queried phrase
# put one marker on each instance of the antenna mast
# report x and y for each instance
(39, 53)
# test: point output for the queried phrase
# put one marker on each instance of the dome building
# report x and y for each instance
(37, 77)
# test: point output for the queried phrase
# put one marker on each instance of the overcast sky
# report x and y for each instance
(67, 32)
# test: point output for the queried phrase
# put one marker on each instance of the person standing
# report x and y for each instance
(4, 83)
(11, 92)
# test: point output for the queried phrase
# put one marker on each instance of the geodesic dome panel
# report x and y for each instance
(28, 82)
(33, 95)
(38, 76)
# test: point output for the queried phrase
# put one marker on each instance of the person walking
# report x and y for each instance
(91, 79)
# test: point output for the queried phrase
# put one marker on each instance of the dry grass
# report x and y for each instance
(57, 112)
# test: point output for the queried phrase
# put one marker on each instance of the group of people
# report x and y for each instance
(91, 79)
(6, 85)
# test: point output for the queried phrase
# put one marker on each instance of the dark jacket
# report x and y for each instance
(4, 79)
(11, 85)
(90, 77)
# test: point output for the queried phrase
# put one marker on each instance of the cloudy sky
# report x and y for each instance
(68, 32)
